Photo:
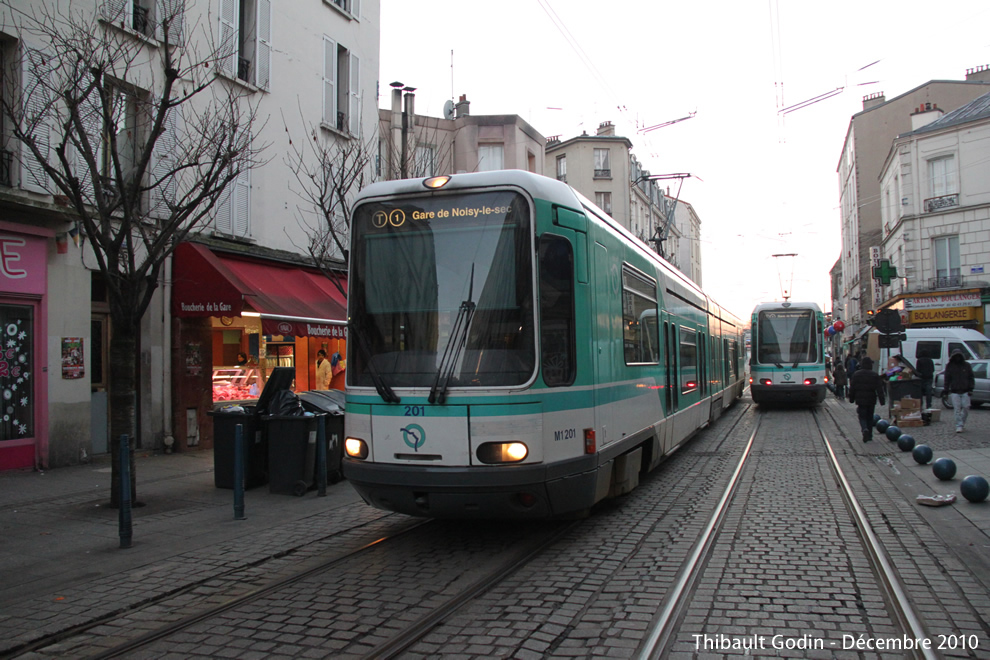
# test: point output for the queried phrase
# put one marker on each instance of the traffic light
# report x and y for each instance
(870, 319)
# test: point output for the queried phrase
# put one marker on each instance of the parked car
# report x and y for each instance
(981, 393)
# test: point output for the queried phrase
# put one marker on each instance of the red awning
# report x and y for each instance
(206, 283)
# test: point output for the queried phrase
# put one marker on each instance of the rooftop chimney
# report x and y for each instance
(873, 100)
(463, 107)
(979, 74)
(606, 128)
(925, 114)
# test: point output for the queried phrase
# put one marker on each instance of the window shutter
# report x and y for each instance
(163, 182)
(175, 11)
(35, 68)
(242, 204)
(329, 76)
(223, 222)
(354, 112)
(228, 36)
(356, 8)
(263, 66)
(91, 118)
(118, 12)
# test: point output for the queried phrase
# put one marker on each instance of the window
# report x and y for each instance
(562, 168)
(341, 88)
(122, 133)
(639, 318)
(352, 7)
(946, 257)
(147, 17)
(603, 168)
(557, 339)
(246, 40)
(15, 364)
(424, 160)
(489, 157)
(688, 360)
(942, 175)
(6, 156)
(603, 200)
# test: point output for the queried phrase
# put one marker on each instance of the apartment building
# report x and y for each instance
(241, 284)
(935, 210)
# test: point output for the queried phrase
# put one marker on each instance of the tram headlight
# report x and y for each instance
(356, 448)
(810, 381)
(766, 381)
(502, 452)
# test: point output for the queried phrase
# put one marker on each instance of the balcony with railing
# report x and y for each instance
(946, 282)
(933, 204)
(603, 174)
(244, 69)
(140, 22)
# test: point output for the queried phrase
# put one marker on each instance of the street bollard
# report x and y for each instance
(124, 514)
(239, 472)
(321, 456)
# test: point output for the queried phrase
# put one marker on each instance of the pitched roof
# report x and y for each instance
(978, 108)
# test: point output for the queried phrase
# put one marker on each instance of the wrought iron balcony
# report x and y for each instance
(140, 21)
(244, 69)
(603, 174)
(949, 282)
(943, 202)
(6, 159)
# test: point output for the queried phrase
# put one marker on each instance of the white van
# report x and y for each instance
(940, 343)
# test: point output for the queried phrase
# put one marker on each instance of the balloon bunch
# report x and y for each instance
(835, 328)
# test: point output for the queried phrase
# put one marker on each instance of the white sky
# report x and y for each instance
(766, 186)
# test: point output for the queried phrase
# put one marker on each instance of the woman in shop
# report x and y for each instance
(323, 370)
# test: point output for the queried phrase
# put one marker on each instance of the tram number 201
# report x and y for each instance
(565, 434)
(415, 411)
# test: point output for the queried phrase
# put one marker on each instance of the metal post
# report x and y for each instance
(124, 514)
(321, 456)
(239, 472)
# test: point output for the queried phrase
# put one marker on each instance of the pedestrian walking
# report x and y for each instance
(959, 382)
(852, 364)
(865, 390)
(925, 370)
(839, 379)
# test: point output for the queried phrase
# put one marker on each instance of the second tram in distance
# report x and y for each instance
(788, 353)
(514, 352)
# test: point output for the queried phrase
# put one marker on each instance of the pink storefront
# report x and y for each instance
(23, 381)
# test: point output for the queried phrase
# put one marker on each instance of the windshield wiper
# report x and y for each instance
(384, 391)
(458, 338)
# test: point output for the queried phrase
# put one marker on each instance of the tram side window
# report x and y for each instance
(639, 319)
(557, 339)
(689, 360)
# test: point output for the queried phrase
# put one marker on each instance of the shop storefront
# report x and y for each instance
(235, 318)
(23, 384)
(956, 309)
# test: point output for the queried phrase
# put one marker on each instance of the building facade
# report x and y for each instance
(603, 168)
(866, 145)
(935, 195)
(310, 70)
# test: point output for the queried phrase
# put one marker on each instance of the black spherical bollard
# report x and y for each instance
(892, 433)
(876, 418)
(974, 488)
(905, 442)
(922, 454)
(944, 469)
(882, 426)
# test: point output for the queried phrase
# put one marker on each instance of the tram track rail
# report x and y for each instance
(658, 637)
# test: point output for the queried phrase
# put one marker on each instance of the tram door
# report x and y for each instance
(607, 334)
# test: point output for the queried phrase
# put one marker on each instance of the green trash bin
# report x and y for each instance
(291, 452)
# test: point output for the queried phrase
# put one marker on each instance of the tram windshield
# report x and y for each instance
(441, 290)
(787, 336)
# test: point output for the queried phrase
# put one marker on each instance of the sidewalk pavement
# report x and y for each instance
(59, 533)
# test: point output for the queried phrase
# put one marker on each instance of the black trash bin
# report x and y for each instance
(225, 423)
(330, 402)
(291, 452)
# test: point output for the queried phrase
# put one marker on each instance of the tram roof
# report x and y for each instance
(786, 305)
(539, 186)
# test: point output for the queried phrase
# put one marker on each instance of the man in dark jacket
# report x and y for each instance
(865, 389)
(959, 382)
(925, 368)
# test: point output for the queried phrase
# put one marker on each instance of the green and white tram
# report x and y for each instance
(516, 353)
(788, 353)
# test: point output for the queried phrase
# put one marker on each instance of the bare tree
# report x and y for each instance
(127, 125)
(329, 171)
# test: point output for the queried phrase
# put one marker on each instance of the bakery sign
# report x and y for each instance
(944, 301)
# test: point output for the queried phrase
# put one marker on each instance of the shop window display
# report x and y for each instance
(17, 418)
